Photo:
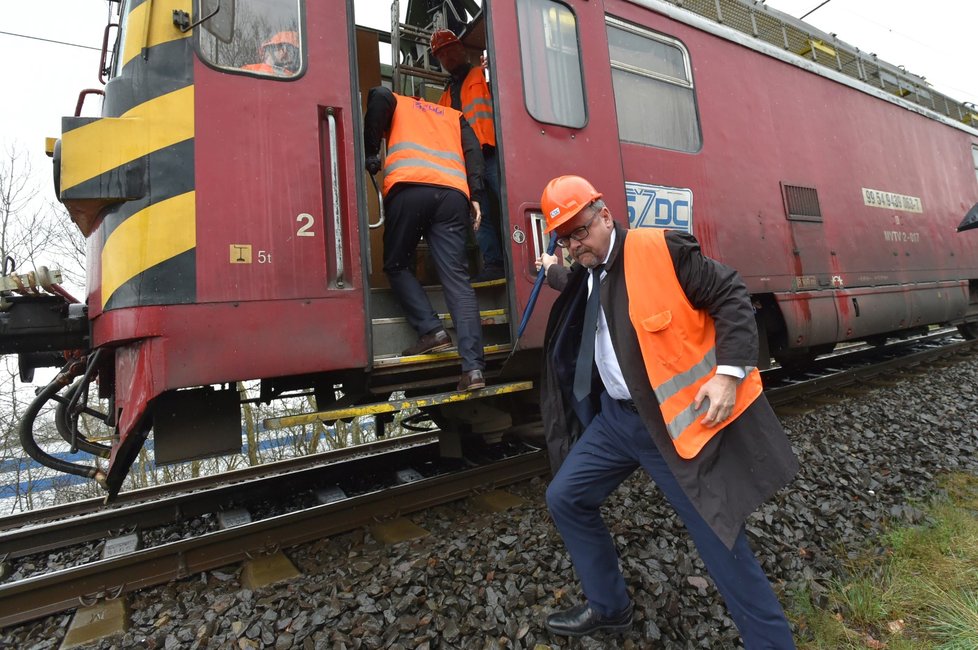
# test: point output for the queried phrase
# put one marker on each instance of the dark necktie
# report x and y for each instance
(585, 358)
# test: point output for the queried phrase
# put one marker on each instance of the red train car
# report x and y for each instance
(233, 234)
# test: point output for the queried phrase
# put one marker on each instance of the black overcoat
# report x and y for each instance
(747, 461)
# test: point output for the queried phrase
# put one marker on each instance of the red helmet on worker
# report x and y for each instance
(564, 197)
(442, 38)
(281, 38)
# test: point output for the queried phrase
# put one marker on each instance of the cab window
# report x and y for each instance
(552, 83)
(653, 83)
(257, 37)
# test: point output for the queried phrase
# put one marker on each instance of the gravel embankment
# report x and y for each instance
(487, 581)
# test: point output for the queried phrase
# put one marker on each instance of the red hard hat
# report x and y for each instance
(281, 38)
(564, 197)
(443, 38)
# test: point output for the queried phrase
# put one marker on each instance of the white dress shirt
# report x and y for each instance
(604, 352)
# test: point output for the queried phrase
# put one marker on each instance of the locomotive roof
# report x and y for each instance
(794, 41)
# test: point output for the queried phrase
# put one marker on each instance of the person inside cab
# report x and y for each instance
(468, 92)
(279, 56)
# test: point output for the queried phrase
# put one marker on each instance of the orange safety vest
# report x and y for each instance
(424, 145)
(678, 342)
(476, 105)
(265, 68)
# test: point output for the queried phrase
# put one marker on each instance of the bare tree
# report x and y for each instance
(32, 233)
(20, 217)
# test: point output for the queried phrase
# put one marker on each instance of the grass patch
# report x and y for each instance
(921, 593)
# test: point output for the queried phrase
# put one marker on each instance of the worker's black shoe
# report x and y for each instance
(437, 341)
(582, 620)
(489, 273)
(471, 380)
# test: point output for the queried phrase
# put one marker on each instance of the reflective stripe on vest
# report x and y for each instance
(478, 109)
(476, 105)
(677, 342)
(439, 161)
(451, 168)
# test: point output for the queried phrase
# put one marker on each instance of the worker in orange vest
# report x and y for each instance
(279, 56)
(432, 179)
(467, 91)
(664, 378)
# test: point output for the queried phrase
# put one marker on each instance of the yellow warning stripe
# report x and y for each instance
(153, 235)
(394, 360)
(146, 27)
(398, 405)
(105, 144)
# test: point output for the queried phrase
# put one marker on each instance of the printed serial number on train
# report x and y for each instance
(901, 236)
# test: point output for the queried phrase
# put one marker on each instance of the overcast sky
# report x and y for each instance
(934, 40)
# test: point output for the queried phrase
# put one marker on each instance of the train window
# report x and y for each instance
(553, 86)
(265, 38)
(654, 94)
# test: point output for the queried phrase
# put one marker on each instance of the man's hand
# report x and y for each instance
(373, 164)
(545, 261)
(476, 215)
(721, 390)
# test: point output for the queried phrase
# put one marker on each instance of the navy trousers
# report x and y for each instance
(440, 215)
(610, 449)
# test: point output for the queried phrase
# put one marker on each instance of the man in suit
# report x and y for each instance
(649, 362)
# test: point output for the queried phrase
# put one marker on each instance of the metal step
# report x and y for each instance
(488, 317)
(490, 295)
(391, 335)
(395, 405)
(393, 360)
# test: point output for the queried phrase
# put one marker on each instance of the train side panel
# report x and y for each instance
(891, 186)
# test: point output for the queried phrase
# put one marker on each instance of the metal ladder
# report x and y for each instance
(413, 66)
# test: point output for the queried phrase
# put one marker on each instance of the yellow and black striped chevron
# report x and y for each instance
(127, 178)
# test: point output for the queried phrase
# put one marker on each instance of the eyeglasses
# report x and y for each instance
(578, 234)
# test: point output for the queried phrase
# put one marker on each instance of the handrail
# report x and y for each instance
(785, 32)
(380, 202)
(81, 98)
(334, 169)
(102, 70)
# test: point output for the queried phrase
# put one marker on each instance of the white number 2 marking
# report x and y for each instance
(306, 220)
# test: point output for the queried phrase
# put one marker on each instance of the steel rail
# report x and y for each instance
(185, 506)
(174, 497)
(783, 394)
(65, 589)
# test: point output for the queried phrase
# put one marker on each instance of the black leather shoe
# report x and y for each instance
(582, 620)
(434, 342)
(471, 380)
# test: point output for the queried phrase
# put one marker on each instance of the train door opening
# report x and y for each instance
(401, 60)
(548, 122)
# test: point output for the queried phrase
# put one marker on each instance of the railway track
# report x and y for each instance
(36, 531)
(862, 363)
(391, 477)
(406, 490)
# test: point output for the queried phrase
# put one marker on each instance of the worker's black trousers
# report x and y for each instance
(441, 216)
